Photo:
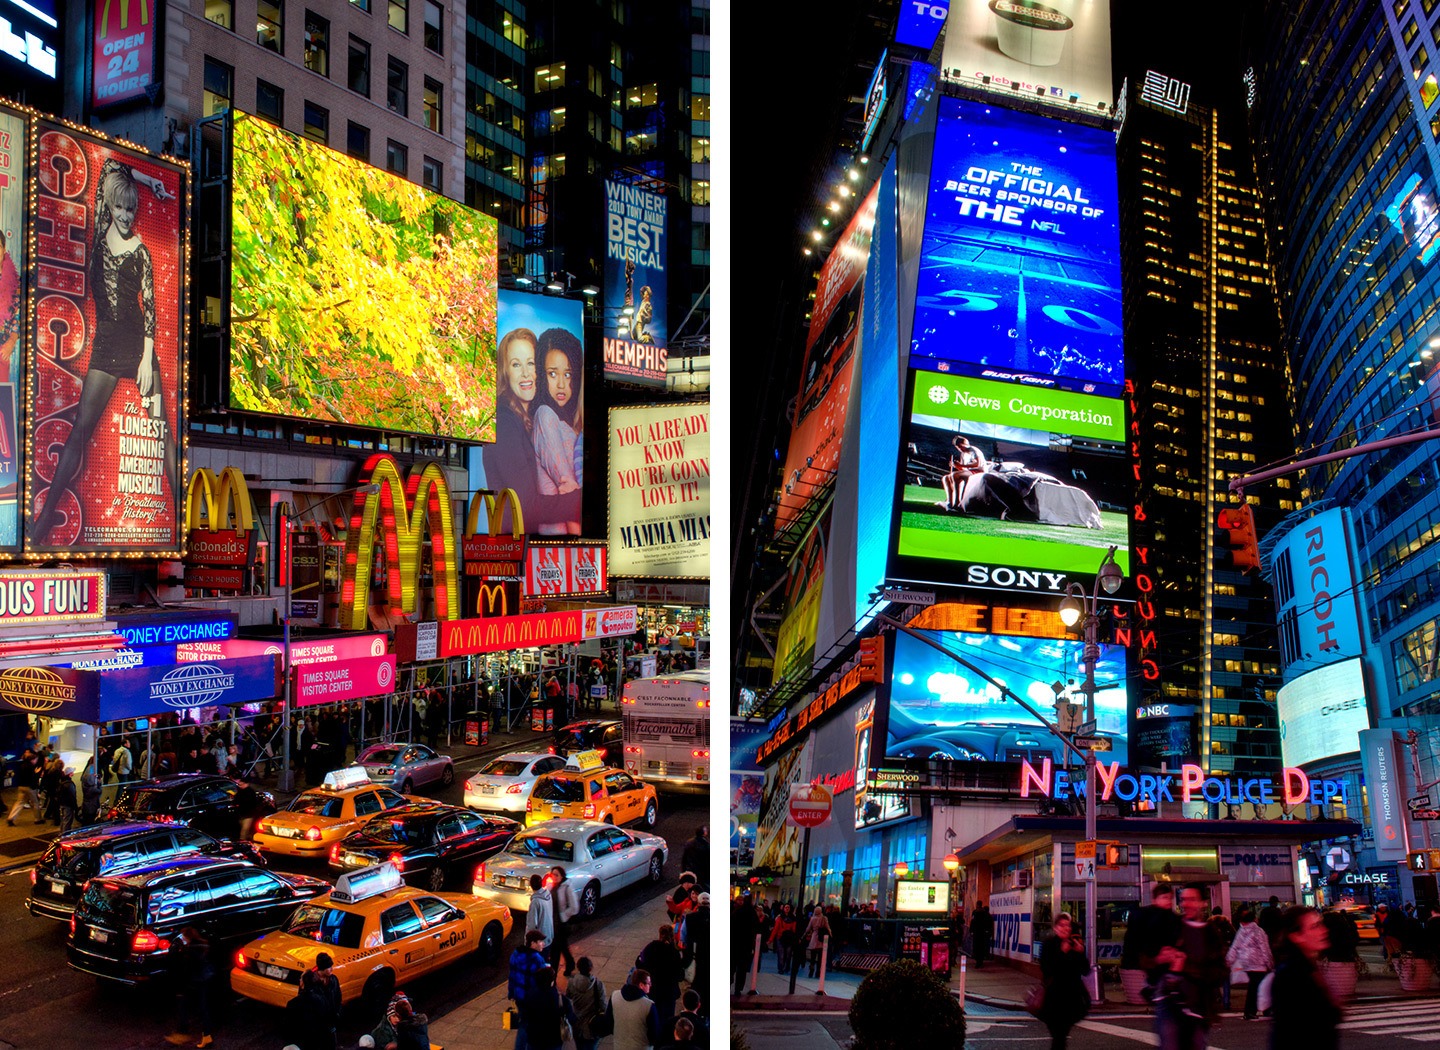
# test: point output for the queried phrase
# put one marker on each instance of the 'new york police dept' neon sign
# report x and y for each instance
(1192, 785)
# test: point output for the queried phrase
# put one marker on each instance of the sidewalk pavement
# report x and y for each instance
(1000, 984)
(475, 1025)
(25, 843)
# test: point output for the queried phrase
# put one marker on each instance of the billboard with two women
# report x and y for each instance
(539, 442)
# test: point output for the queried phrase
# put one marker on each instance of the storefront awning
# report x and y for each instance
(1022, 833)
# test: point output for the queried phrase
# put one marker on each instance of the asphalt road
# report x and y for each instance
(45, 1005)
(1367, 1026)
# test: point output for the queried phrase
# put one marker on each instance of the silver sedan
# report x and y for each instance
(597, 859)
(406, 766)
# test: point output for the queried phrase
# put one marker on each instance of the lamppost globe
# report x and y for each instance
(951, 863)
(1110, 578)
(901, 870)
(1071, 610)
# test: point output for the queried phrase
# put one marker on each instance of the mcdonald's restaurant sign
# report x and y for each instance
(220, 527)
(125, 64)
(494, 634)
(404, 510)
(492, 553)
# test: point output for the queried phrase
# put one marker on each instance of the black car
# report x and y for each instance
(109, 849)
(197, 800)
(125, 926)
(430, 846)
(593, 734)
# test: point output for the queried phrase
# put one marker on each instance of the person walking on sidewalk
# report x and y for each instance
(525, 963)
(587, 995)
(27, 777)
(1303, 1011)
(89, 793)
(743, 929)
(696, 855)
(195, 974)
(564, 909)
(1250, 953)
(982, 928)
(661, 960)
(542, 1013)
(636, 1023)
(782, 936)
(1063, 969)
(541, 916)
(1185, 1007)
(816, 931)
(695, 935)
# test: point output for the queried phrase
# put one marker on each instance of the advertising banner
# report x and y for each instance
(920, 23)
(824, 398)
(616, 622)
(123, 50)
(777, 841)
(1014, 934)
(51, 596)
(1057, 51)
(1323, 713)
(1315, 593)
(747, 789)
(146, 691)
(1386, 791)
(306, 573)
(635, 322)
(795, 644)
(1020, 267)
(539, 441)
(108, 337)
(565, 569)
(14, 241)
(492, 634)
(328, 683)
(660, 490)
(357, 296)
(1009, 486)
(151, 630)
(322, 651)
(941, 709)
(921, 898)
(29, 42)
(1414, 213)
(872, 808)
(54, 691)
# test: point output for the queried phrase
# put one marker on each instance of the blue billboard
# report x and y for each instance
(1020, 262)
(942, 709)
(920, 23)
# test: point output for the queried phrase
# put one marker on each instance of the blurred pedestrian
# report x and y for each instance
(564, 909)
(195, 972)
(310, 1016)
(1063, 969)
(65, 798)
(27, 779)
(782, 937)
(696, 855)
(695, 935)
(89, 793)
(541, 916)
(1304, 1012)
(525, 963)
(587, 996)
(814, 937)
(982, 928)
(661, 960)
(542, 1013)
(691, 1002)
(743, 930)
(1250, 954)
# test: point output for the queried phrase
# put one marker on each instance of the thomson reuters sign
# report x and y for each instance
(34, 689)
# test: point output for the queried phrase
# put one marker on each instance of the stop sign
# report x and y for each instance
(809, 805)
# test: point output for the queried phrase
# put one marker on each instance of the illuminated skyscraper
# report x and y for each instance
(1210, 393)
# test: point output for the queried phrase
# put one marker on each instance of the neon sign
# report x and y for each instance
(404, 511)
(1192, 785)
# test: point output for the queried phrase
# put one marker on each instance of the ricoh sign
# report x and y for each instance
(1316, 592)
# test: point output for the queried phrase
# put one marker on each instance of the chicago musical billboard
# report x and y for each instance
(108, 331)
(1020, 261)
(14, 265)
(357, 296)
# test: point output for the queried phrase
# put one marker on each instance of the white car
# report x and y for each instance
(503, 785)
(597, 858)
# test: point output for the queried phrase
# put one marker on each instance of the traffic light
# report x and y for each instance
(1423, 860)
(1112, 855)
(872, 659)
(1238, 527)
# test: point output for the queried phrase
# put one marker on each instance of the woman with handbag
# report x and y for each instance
(546, 1017)
(1250, 956)
(1063, 968)
(815, 933)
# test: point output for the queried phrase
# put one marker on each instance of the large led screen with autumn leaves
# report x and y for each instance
(357, 296)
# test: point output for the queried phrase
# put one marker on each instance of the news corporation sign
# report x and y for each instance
(1190, 785)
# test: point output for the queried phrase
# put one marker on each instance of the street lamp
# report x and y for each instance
(1083, 609)
(901, 869)
(951, 862)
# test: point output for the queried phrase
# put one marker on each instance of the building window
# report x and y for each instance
(400, 15)
(270, 25)
(701, 192)
(221, 12)
(548, 78)
(317, 44)
(700, 150)
(269, 101)
(357, 141)
(434, 27)
(643, 95)
(397, 89)
(699, 107)
(219, 86)
(360, 66)
(430, 106)
(397, 157)
(363, 5)
(317, 123)
(432, 175)
(514, 31)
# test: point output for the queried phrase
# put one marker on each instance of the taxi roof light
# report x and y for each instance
(356, 886)
(350, 776)
(585, 760)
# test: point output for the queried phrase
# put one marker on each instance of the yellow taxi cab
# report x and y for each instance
(588, 789)
(320, 817)
(378, 931)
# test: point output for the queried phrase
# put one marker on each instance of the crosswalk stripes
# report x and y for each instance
(1417, 1020)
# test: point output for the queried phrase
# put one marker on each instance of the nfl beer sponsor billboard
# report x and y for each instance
(1020, 260)
(539, 445)
(824, 398)
(660, 490)
(635, 323)
(14, 265)
(357, 296)
(108, 326)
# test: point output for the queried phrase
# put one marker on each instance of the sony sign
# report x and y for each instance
(1017, 579)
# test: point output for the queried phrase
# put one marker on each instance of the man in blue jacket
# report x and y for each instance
(525, 965)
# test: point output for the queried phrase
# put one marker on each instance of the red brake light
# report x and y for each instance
(589, 811)
(631, 750)
(398, 859)
(313, 834)
(145, 942)
(529, 805)
(550, 750)
(335, 853)
(700, 754)
(480, 873)
(515, 789)
(72, 924)
(239, 960)
(33, 876)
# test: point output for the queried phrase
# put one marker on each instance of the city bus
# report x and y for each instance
(667, 729)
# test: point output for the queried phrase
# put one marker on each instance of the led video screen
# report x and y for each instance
(1011, 481)
(941, 709)
(357, 296)
(1020, 261)
(1323, 713)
